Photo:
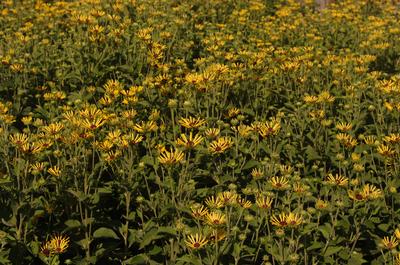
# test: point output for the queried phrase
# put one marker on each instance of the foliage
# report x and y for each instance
(199, 132)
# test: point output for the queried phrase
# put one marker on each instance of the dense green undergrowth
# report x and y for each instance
(199, 132)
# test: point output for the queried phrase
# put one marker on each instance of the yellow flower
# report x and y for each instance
(199, 212)
(397, 233)
(280, 220)
(111, 155)
(189, 142)
(133, 138)
(286, 169)
(232, 112)
(369, 140)
(344, 126)
(294, 219)
(397, 259)
(191, 122)
(244, 203)
(27, 120)
(257, 173)
(337, 180)
(300, 188)
(19, 139)
(217, 235)
(286, 220)
(219, 145)
(170, 157)
(356, 195)
(145, 127)
(243, 130)
(279, 183)
(325, 97)
(346, 140)
(227, 197)
(215, 218)
(37, 167)
(214, 202)
(392, 138)
(389, 243)
(93, 124)
(309, 99)
(268, 128)
(371, 192)
(53, 129)
(212, 132)
(105, 145)
(195, 242)
(56, 245)
(59, 244)
(385, 150)
(320, 204)
(31, 148)
(264, 202)
(113, 87)
(54, 171)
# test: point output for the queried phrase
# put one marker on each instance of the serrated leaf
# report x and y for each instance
(104, 232)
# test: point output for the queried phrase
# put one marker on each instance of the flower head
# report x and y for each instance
(191, 122)
(190, 141)
(199, 212)
(196, 241)
(219, 145)
(264, 202)
(56, 245)
(170, 157)
(389, 242)
(337, 179)
(279, 183)
(215, 218)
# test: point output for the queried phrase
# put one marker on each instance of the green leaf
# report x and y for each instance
(149, 237)
(312, 154)
(356, 259)
(384, 227)
(332, 250)
(188, 259)
(78, 194)
(138, 259)
(148, 160)
(325, 230)
(71, 223)
(236, 250)
(316, 245)
(167, 230)
(155, 250)
(104, 232)
(251, 164)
